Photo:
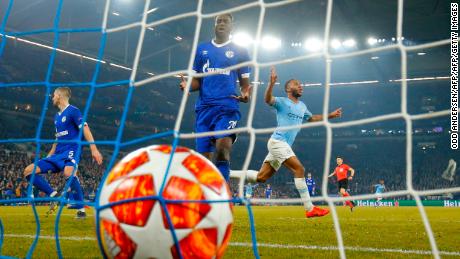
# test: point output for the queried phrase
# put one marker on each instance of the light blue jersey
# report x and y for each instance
(289, 113)
(379, 188)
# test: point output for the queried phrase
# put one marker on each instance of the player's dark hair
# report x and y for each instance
(225, 14)
(287, 84)
(339, 157)
(65, 90)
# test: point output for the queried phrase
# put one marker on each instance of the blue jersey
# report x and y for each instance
(217, 89)
(68, 123)
(310, 184)
(289, 113)
(379, 188)
(268, 192)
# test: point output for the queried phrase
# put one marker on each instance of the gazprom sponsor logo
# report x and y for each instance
(62, 133)
(221, 71)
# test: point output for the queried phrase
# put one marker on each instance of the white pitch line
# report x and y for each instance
(351, 248)
(265, 245)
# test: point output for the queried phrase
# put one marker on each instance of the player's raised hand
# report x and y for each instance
(273, 76)
(96, 156)
(336, 114)
(245, 94)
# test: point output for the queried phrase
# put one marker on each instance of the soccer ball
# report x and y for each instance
(142, 228)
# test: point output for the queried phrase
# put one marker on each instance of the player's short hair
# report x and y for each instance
(65, 91)
(225, 14)
(339, 157)
(287, 84)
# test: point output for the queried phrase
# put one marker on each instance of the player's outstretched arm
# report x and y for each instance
(195, 85)
(352, 173)
(333, 173)
(269, 98)
(53, 149)
(318, 117)
(94, 151)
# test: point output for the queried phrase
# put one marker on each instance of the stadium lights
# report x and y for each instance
(313, 44)
(335, 44)
(178, 38)
(372, 41)
(115, 13)
(421, 53)
(349, 43)
(242, 39)
(375, 57)
(271, 43)
(150, 28)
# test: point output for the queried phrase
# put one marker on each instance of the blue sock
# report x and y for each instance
(75, 187)
(41, 184)
(224, 168)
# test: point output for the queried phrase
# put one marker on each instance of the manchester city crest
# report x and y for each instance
(63, 119)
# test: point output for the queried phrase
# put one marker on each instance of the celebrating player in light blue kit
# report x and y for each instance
(310, 184)
(249, 190)
(63, 156)
(290, 111)
(379, 189)
(217, 107)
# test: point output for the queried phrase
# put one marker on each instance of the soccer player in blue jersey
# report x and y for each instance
(310, 184)
(268, 192)
(290, 111)
(63, 156)
(379, 189)
(217, 107)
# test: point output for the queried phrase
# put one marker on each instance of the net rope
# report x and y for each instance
(249, 129)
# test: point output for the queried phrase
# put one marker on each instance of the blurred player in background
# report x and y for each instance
(268, 192)
(217, 107)
(311, 185)
(249, 190)
(379, 189)
(341, 171)
(63, 156)
(290, 111)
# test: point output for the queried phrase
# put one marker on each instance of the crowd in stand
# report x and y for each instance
(370, 168)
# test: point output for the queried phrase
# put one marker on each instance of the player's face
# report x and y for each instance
(296, 89)
(223, 26)
(339, 161)
(382, 182)
(309, 176)
(56, 98)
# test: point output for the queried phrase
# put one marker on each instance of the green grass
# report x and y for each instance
(364, 229)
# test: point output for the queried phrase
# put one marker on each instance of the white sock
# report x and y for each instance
(53, 194)
(251, 175)
(82, 210)
(302, 188)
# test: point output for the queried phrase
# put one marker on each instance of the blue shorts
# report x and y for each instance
(56, 162)
(268, 196)
(214, 118)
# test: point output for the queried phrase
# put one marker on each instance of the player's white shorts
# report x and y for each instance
(278, 152)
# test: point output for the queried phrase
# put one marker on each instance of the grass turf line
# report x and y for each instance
(282, 232)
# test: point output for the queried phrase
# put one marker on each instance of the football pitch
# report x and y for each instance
(282, 232)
